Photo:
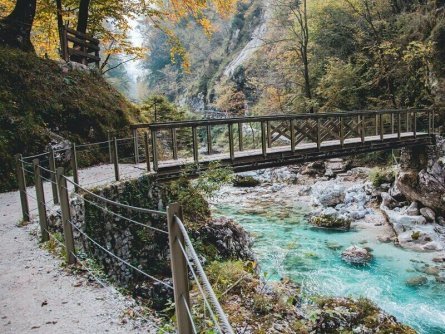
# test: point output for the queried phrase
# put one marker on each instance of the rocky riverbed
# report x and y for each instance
(375, 227)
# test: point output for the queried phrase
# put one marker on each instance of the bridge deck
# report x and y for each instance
(303, 151)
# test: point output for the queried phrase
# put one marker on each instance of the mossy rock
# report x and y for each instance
(331, 222)
(245, 181)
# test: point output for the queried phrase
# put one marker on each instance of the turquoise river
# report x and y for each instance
(287, 246)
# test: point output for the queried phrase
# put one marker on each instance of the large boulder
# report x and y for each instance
(328, 193)
(428, 185)
(356, 255)
(227, 238)
(330, 218)
(428, 214)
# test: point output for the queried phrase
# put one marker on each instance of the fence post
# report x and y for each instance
(231, 148)
(136, 146)
(318, 133)
(40, 195)
(195, 144)
(147, 151)
(174, 144)
(342, 132)
(22, 187)
(263, 138)
(269, 134)
(292, 135)
(52, 167)
(109, 147)
(74, 167)
(209, 140)
(154, 147)
(66, 216)
(115, 159)
(179, 270)
(240, 136)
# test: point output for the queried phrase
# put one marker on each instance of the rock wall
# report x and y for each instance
(422, 175)
(138, 245)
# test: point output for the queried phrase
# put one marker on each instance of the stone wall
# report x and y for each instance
(140, 246)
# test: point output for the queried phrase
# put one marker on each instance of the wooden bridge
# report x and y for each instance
(252, 143)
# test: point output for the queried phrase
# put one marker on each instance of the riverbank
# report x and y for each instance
(403, 282)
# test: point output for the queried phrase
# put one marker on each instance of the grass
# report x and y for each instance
(37, 100)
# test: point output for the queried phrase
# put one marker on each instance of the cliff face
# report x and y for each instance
(422, 177)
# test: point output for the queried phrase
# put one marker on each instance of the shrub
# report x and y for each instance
(378, 176)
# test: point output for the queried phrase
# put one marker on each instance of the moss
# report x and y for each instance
(325, 221)
(245, 181)
(37, 99)
(415, 235)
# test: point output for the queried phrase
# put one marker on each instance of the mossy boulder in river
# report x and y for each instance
(331, 218)
(245, 181)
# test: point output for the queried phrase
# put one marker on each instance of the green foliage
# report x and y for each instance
(379, 175)
(192, 195)
(157, 108)
(415, 235)
(37, 100)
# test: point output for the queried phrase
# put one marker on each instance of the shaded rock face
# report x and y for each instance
(228, 237)
(356, 255)
(428, 185)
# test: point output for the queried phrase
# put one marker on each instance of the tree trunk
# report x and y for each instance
(82, 20)
(15, 29)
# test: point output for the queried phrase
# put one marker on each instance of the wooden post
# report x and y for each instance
(376, 124)
(392, 122)
(154, 147)
(318, 133)
(209, 140)
(174, 144)
(147, 151)
(74, 167)
(22, 187)
(269, 135)
(195, 144)
(179, 270)
(429, 121)
(66, 216)
(136, 146)
(231, 148)
(240, 136)
(52, 167)
(433, 120)
(407, 121)
(110, 152)
(40, 195)
(342, 132)
(362, 128)
(381, 128)
(115, 160)
(399, 124)
(263, 138)
(414, 124)
(292, 135)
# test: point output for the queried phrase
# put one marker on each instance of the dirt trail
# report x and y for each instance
(38, 296)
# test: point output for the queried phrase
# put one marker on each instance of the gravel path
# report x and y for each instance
(38, 296)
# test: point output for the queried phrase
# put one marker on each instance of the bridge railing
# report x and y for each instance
(195, 141)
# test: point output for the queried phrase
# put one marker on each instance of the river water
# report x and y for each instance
(287, 246)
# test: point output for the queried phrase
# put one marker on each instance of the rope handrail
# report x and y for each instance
(203, 276)
(198, 284)
(119, 258)
(109, 201)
